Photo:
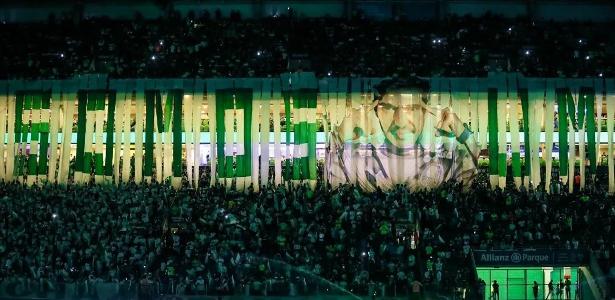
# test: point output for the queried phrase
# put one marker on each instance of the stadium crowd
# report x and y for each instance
(282, 240)
(207, 45)
(290, 240)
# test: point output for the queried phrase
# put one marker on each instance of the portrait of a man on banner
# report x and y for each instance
(402, 138)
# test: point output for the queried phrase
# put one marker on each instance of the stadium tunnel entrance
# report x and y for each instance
(517, 274)
(518, 282)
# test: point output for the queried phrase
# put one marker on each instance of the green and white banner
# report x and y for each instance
(252, 132)
(32, 133)
(90, 144)
(234, 146)
(304, 122)
(163, 134)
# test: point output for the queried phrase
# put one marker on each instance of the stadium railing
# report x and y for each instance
(595, 271)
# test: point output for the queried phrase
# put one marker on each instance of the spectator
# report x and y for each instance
(550, 288)
(416, 289)
(495, 295)
(567, 284)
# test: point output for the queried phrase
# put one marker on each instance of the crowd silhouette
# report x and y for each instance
(207, 45)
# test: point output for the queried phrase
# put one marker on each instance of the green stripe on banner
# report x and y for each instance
(298, 130)
(591, 127)
(159, 115)
(502, 164)
(37, 100)
(32, 158)
(44, 130)
(110, 129)
(312, 96)
(492, 102)
(304, 137)
(516, 164)
(98, 157)
(82, 99)
(523, 94)
(19, 102)
(224, 101)
(34, 131)
(98, 163)
(100, 100)
(304, 103)
(243, 100)
(168, 109)
(221, 99)
(91, 104)
(178, 96)
(150, 97)
(87, 163)
(287, 112)
(562, 129)
(312, 170)
(27, 101)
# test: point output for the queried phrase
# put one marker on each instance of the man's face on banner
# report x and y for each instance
(401, 117)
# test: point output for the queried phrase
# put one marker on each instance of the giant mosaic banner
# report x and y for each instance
(248, 132)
